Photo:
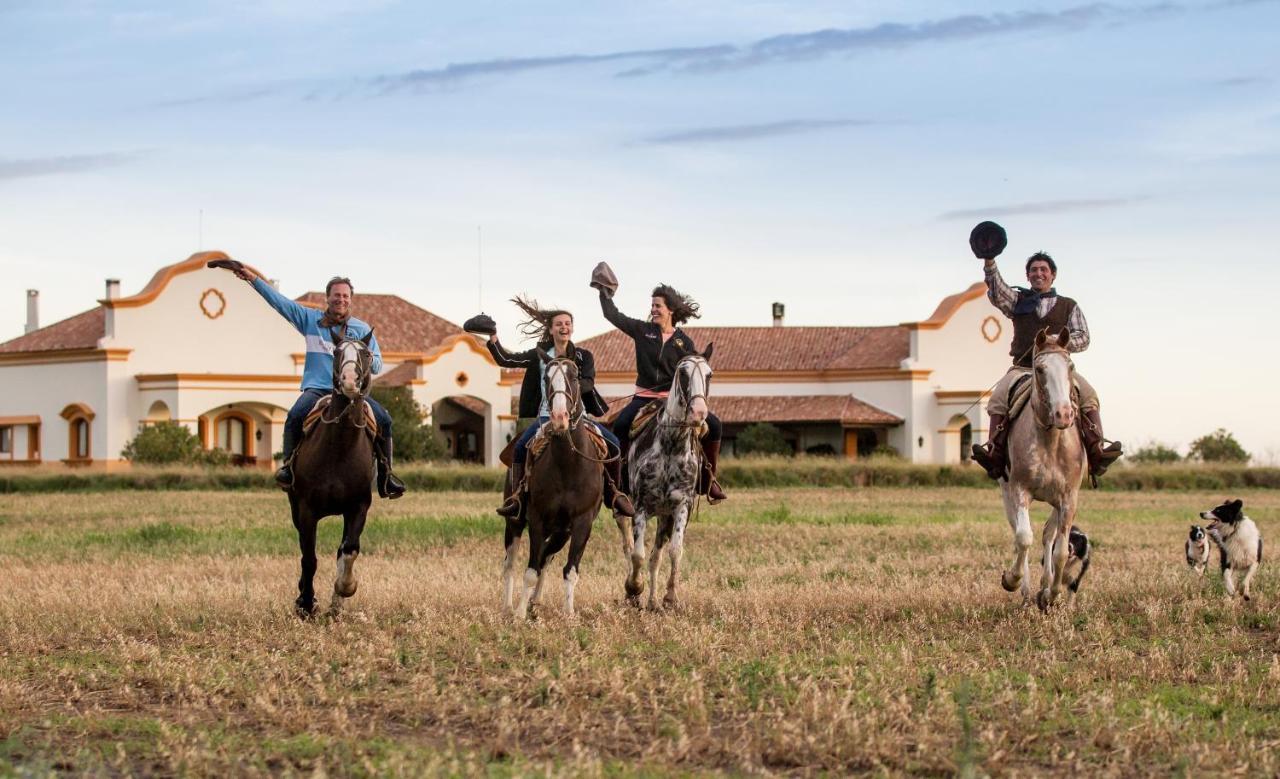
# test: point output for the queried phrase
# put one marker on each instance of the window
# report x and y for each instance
(80, 439)
(79, 432)
(6, 440)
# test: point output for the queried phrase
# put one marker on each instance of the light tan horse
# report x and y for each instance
(1046, 463)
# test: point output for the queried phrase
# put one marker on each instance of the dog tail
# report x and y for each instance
(1074, 586)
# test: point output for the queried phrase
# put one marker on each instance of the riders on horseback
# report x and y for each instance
(1033, 310)
(553, 329)
(660, 343)
(317, 373)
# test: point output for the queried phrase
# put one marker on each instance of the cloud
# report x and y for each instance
(1242, 81)
(747, 132)
(1041, 207)
(51, 166)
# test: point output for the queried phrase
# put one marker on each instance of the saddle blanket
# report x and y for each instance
(318, 410)
(543, 438)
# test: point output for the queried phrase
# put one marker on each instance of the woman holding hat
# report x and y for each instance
(660, 343)
(553, 329)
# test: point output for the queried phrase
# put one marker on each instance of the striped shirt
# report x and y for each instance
(1004, 297)
(317, 370)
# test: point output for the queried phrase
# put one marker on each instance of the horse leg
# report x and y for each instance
(660, 538)
(549, 549)
(624, 530)
(531, 572)
(1049, 537)
(305, 524)
(344, 585)
(578, 544)
(634, 583)
(515, 527)
(675, 550)
(1017, 509)
(1065, 516)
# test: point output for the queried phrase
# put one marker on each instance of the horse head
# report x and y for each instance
(352, 365)
(560, 388)
(689, 388)
(1052, 383)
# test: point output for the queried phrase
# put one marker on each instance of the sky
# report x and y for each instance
(832, 156)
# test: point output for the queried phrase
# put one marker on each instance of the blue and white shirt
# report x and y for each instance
(317, 372)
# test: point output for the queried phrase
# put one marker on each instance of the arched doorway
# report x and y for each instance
(958, 439)
(462, 420)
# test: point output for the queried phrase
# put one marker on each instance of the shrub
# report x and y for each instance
(170, 443)
(761, 438)
(885, 451)
(414, 439)
(1218, 447)
(1155, 452)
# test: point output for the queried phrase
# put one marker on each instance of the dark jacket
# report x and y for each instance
(1026, 326)
(655, 361)
(531, 387)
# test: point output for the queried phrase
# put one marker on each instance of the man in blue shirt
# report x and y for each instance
(317, 372)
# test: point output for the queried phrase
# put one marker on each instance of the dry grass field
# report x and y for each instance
(822, 632)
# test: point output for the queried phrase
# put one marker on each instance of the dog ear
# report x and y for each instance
(1235, 506)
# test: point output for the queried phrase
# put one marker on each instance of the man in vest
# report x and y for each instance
(1033, 310)
(317, 372)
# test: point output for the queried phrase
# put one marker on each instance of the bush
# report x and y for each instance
(885, 451)
(170, 443)
(1154, 452)
(414, 440)
(761, 438)
(1218, 447)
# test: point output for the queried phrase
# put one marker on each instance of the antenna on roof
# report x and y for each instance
(479, 271)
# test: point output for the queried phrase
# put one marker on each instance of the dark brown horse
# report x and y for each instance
(565, 491)
(334, 473)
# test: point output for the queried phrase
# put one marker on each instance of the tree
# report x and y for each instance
(414, 439)
(169, 443)
(1155, 452)
(761, 438)
(1217, 447)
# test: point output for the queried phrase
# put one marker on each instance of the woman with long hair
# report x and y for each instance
(552, 329)
(660, 343)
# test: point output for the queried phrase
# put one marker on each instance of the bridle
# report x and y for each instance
(362, 361)
(572, 392)
(681, 386)
(1041, 408)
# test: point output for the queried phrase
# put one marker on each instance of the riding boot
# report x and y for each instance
(994, 457)
(1100, 456)
(389, 485)
(707, 483)
(284, 477)
(615, 498)
(511, 507)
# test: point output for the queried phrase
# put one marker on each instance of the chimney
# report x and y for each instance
(33, 310)
(113, 289)
(778, 311)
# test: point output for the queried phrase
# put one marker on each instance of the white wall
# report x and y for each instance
(45, 390)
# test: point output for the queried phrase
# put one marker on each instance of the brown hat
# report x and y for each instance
(602, 278)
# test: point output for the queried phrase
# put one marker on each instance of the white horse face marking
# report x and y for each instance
(558, 379)
(348, 356)
(1053, 376)
(693, 377)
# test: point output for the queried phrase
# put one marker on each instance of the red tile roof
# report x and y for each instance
(773, 349)
(399, 325)
(740, 409)
(81, 331)
(398, 376)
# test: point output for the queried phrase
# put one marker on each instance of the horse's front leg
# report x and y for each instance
(344, 584)
(635, 584)
(675, 551)
(511, 541)
(1065, 516)
(1017, 508)
(305, 524)
(577, 545)
(1051, 572)
(553, 544)
(536, 542)
(660, 539)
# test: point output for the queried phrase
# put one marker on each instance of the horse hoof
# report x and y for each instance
(671, 603)
(345, 589)
(1009, 583)
(1044, 599)
(634, 590)
(304, 610)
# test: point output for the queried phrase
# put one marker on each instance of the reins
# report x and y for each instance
(362, 424)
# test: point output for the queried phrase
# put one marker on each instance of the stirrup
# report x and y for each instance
(510, 509)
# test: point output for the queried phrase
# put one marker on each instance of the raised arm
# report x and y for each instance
(507, 359)
(1001, 295)
(297, 314)
(632, 327)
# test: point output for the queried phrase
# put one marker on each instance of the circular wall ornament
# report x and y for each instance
(461, 379)
(212, 303)
(991, 329)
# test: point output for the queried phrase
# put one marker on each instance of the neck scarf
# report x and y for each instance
(1029, 300)
(331, 319)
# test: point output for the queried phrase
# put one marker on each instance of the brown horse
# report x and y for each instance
(334, 473)
(1046, 463)
(565, 491)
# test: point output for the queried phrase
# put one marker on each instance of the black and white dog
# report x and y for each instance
(1198, 549)
(1077, 559)
(1239, 544)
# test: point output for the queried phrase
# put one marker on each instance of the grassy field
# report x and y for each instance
(822, 631)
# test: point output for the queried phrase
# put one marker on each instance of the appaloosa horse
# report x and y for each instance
(664, 466)
(1046, 463)
(334, 472)
(565, 491)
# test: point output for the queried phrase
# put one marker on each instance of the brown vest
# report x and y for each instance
(1025, 327)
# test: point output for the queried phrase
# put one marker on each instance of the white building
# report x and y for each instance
(200, 347)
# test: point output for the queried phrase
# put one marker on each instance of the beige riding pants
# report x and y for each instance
(999, 402)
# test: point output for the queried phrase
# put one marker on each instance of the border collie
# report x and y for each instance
(1198, 549)
(1239, 544)
(1078, 549)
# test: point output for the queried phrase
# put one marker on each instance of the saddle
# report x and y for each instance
(542, 439)
(645, 418)
(1020, 396)
(318, 410)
